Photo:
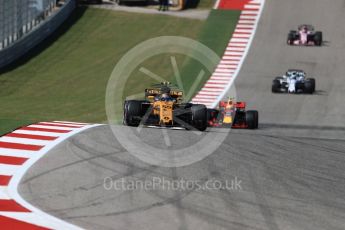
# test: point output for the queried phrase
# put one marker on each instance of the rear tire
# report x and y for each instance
(276, 86)
(199, 117)
(252, 119)
(309, 86)
(318, 38)
(132, 111)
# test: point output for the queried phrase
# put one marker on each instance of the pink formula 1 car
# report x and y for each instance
(305, 36)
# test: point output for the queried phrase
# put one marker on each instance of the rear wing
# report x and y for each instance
(150, 94)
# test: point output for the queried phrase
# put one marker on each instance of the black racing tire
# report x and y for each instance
(132, 110)
(276, 86)
(318, 38)
(252, 119)
(309, 86)
(290, 38)
(199, 117)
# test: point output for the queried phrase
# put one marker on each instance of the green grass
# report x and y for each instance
(68, 78)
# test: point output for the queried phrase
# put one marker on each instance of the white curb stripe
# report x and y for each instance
(229, 62)
(251, 7)
(241, 36)
(249, 31)
(225, 66)
(235, 49)
(245, 26)
(8, 170)
(50, 127)
(218, 81)
(23, 141)
(16, 153)
(4, 193)
(250, 22)
(71, 122)
(49, 134)
(62, 124)
(239, 40)
(244, 17)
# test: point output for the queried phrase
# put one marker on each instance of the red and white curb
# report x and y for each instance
(227, 70)
(19, 150)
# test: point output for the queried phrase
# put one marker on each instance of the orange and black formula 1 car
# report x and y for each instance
(164, 107)
(233, 115)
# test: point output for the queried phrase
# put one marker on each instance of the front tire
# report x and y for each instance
(132, 113)
(276, 86)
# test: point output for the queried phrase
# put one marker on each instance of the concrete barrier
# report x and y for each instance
(41, 32)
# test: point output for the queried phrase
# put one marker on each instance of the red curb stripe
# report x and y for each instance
(11, 224)
(244, 28)
(215, 83)
(242, 33)
(10, 145)
(11, 206)
(238, 43)
(12, 160)
(213, 87)
(232, 55)
(246, 23)
(232, 46)
(31, 136)
(248, 19)
(4, 181)
(45, 130)
(59, 125)
(246, 14)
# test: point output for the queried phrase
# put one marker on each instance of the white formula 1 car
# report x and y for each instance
(294, 81)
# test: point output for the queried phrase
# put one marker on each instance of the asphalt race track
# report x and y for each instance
(291, 170)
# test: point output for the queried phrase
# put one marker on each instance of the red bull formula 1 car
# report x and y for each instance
(233, 115)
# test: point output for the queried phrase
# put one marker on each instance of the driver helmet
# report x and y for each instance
(305, 29)
(165, 96)
(293, 75)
